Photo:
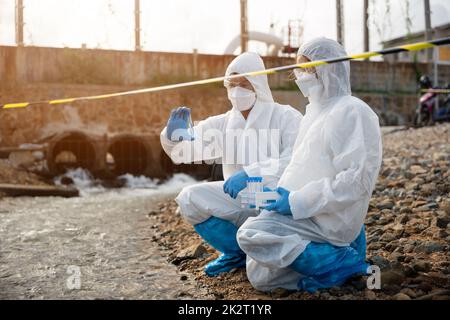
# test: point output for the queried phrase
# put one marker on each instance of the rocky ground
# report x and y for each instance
(9, 174)
(407, 228)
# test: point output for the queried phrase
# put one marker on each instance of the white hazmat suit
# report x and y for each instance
(331, 177)
(252, 148)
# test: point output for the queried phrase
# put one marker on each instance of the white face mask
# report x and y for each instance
(241, 99)
(309, 85)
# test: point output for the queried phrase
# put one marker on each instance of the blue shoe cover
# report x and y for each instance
(324, 265)
(221, 235)
(225, 263)
(360, 244)
(332, 279)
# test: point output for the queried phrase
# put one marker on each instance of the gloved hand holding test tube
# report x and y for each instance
(255, 196)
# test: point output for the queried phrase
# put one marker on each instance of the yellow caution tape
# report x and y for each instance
(410, 47)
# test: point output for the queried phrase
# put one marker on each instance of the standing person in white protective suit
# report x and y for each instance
(313, 236)
(254, 139)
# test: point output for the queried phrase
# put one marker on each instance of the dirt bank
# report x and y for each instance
(407, 229)
(8, 174)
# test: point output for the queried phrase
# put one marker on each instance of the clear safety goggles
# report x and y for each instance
(297, 73)
(241, 82)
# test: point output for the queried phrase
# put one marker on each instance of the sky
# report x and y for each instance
(207, 25)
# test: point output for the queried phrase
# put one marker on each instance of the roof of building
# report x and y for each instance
(415, 36)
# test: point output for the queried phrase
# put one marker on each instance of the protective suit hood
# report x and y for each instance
(249, 62)
(334, 77)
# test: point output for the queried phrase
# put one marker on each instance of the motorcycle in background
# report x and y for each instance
(434, 105)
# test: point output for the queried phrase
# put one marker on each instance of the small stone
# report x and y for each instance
(429, 247)
(67, 181)
(398, 227)
(409, 271)
(370, 295)
(402, 296)
(325, 296)
(391, 277)
(409, 292)
(391, 246)
(388, 237)
(402, 219)
(405, 210)
(374, 246)
(428, 207)
(371, 221)
(386, 204)
(386, 172)
(408, 259)
(411, 186)
(441, 222)
(417, 170)
(391, 289)
(379, 261)
(280, 293)
(421, 266)
(425, 286)
(408, 248)
(397, 256)
(193, 252)
(439, 156)
(408, 175)
(418, 203)
(446, 208)
(383, 221)
(398, 233)
(358, 282)
(428, 189)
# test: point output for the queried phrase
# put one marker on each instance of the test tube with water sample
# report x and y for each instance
(254, 196)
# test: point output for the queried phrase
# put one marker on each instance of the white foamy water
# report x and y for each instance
(134, 186)
(82, 180)
(141, 182)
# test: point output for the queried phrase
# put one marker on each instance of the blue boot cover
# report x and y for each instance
(360, 244)
(221, 235)
(324, 265)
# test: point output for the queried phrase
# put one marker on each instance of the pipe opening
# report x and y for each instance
(127, 155)
(71, 152)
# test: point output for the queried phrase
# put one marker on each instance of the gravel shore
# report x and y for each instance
(407, 229)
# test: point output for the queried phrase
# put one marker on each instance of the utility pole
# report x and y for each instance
(428, 30)
(366, 26)
(244, 26)
(19, 23)
(340, 22)
(137, 25)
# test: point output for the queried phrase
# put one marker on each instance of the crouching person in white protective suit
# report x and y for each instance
(313, 236)
(253, 139)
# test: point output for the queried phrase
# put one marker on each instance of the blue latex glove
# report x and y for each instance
(281, 206)
(235, 184)
(178, 126)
